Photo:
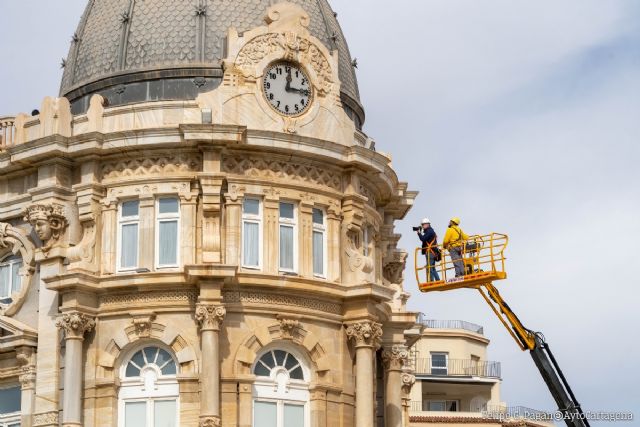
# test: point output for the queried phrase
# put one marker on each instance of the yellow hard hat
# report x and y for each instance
(455, 220)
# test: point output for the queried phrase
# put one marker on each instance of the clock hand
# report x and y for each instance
(288, 86)
(301, 91)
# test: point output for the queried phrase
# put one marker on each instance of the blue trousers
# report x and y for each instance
(432, 274)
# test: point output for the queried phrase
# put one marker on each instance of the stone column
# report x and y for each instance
(366, 337)
(26, 359)
(109, 236)
(394, 359)
(408, 380)
(210, 317)
(74, 325)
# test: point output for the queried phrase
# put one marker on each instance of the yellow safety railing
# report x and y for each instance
(483, 261)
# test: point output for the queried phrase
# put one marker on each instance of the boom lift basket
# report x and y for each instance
(483, 258)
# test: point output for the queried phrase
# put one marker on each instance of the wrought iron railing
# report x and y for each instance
(450, 324)
(457, 368)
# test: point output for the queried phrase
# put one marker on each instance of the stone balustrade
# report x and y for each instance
(7, 132)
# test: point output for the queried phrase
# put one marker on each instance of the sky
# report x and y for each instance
(520, 117)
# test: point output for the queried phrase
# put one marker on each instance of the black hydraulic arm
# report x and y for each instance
(543, 358)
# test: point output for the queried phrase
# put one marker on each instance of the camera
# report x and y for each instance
(416, 228)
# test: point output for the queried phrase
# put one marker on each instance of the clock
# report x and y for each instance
(287, 88)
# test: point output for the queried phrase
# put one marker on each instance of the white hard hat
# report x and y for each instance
(425, 221)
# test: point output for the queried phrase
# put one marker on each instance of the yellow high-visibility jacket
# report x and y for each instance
(454, 236)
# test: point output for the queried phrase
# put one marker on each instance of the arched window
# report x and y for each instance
(149, 390)
(281, 390)
(10, 280)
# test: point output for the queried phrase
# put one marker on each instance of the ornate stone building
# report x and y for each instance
(197, 232)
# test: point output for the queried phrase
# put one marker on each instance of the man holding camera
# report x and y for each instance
(429, 240)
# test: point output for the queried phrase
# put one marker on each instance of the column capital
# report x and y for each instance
(28, 377)
(408, 380)
(210, 316)
(395, 357)
(365, 334)
(210, 422)
(75, 324)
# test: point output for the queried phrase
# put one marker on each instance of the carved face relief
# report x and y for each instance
(43, 229)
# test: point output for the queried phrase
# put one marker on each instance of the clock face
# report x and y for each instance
(287, 88)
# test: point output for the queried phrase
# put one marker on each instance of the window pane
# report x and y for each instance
(297, 374)
(286, 248)
(261, 370)
(318, 216)
(164, 413)
(5, 277)
(10, 400)
(268, 360)
(251, 253)
(452, 406)
(251, 207)
(130, 208)
(150, 353)
(291, 362)
(168, 206)
(265, 414)
(439, 360)
(168, 243)
(286, 210)
(129, 246)
(293, 416)
(16, 276)
(280, 355)
(135, 414)
(318, 253)
(138, 359)
(436, 406)
(164, 357)
(132, 371)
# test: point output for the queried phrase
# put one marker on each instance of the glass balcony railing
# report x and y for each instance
(457, 368)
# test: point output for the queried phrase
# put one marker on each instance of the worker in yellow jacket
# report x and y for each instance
(454, 240)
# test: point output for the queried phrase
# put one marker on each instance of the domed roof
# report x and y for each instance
(120, 42)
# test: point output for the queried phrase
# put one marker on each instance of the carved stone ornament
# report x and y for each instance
(210, 422)
(287, 45)
(49, 223)
(408, 380)
(28, 377)
(394, 266)
(142, 323)
(287, 326)
(75, 324)
(365, 333)
(13, 241)
(396, 357)
(46, 419)
(210, 316)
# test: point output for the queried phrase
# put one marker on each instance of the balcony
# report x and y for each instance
(450, 324)
(457, 368)
(486, 414)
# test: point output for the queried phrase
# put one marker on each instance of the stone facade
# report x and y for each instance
(177, 310)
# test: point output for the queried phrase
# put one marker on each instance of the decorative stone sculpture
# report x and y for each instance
(395, 357)
(365, 333)
(210, 316)
(49, 223)
(75, 324)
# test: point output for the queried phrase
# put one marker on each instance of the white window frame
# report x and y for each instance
(295, 392)
(8, 262)
(252, 219)
(320, 228)
(167, 217)
(166, 388)
(122, 221)
(12, 418)
(446, 362)
(290, 223)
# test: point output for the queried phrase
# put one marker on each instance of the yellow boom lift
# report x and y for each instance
(484, 262)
